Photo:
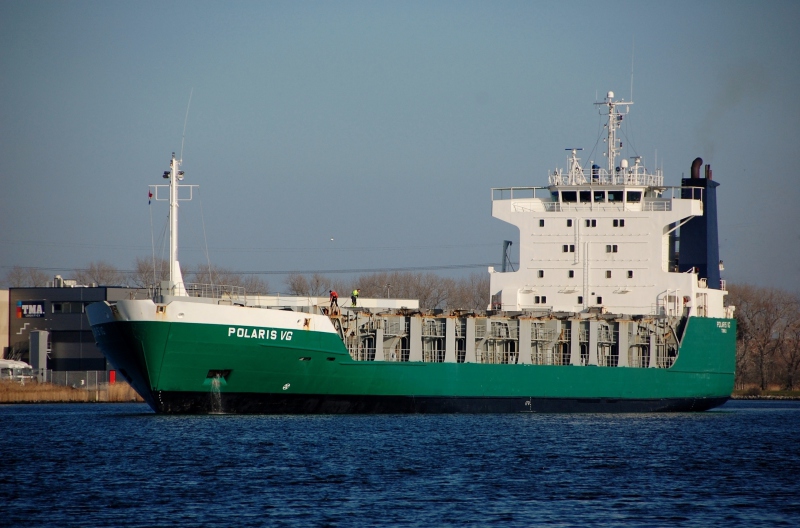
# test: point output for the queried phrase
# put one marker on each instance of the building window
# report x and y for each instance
(580, 299)
(65, 307)
(536, 299)
(611, 248)
(541, 274)
(544, 299)
(541, 223)
(571, 274)
(619, 222)
(599, 300)
(568, 248)
(630, 274)
(591, 223)
(569, 222)
(608, 274)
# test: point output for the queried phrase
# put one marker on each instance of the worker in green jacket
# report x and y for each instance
(354, 295)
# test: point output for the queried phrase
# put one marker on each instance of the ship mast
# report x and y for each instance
(175, 284)
(175, 174)
(614, 122)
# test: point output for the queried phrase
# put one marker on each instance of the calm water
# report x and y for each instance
(121, 465)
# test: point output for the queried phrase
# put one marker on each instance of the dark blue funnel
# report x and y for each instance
(699, 238)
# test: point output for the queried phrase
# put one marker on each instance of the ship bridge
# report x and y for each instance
(611, 239)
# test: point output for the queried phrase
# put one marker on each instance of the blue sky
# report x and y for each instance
(382, 125)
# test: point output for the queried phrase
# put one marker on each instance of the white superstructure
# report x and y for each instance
(602, 240)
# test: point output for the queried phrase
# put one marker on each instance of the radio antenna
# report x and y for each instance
(183, 138)
(633, 45)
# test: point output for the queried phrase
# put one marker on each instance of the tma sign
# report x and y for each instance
(27, 309)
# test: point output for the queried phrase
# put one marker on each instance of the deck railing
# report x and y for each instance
(525, 199)
(235, 294)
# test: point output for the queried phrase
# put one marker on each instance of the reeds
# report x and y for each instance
(14, 392)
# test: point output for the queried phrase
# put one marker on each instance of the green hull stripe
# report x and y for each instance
(177, 357)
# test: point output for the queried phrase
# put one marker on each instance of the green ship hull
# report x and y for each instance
(617, 306)
(201, 368)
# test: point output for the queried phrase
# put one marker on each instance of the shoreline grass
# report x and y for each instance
(122, 392)
(758, 394)
(14, 392)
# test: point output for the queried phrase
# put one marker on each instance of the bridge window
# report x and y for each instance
(569, 196)
(586, 196)
(634, 196)
(599, 196)
(614, 196)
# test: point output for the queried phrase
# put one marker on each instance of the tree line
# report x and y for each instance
(768, 319)
(146, 272)
(432, 291)
(767, 337)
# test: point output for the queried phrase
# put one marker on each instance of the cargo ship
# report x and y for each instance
(617, 305)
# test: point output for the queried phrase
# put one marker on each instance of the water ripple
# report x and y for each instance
(102, 465)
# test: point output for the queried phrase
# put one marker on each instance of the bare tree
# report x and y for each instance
(319, 285)
(471, 293)
(790, 349)
(148, 272)
(223, 276)
(100, 272)
(764, 314)
(743, 360)
(742, 297)
(252, 284)
(19, 351)
(22, 277)
(299, 284)
(431, 290)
